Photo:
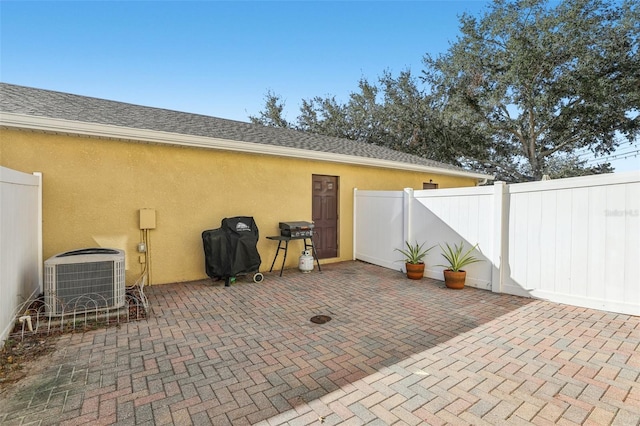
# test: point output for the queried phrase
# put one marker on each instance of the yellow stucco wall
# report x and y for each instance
(93, 190)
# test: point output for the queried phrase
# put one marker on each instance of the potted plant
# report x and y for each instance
(454, 275)
(414, 259)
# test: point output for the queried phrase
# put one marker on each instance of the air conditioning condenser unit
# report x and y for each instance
(84, 280)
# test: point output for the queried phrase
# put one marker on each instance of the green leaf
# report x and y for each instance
(456, 259)
(414, 253)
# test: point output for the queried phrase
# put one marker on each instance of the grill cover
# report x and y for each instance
(216, 253)
(231, 249)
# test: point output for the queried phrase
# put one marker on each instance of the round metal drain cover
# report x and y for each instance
(320, 319)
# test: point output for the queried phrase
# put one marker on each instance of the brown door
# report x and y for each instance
(325, 215)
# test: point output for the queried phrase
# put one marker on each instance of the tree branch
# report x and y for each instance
(559, 147)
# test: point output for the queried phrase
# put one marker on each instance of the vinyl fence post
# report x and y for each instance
(355, 221)
(407, 197)
(501, 235)
(39, 225)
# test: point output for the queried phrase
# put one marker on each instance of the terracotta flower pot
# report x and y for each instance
(415, 271)
(454, 279)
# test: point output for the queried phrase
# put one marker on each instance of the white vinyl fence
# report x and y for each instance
(573, 241)
(20, 243)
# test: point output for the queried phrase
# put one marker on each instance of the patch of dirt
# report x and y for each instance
(18, 353)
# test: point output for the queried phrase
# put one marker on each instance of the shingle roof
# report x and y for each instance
(51, 104)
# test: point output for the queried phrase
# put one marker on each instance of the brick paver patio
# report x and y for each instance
(395, 352)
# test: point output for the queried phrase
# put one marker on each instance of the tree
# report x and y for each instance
(272, 114)
(570, 165)
(395, 113)
(542, 82)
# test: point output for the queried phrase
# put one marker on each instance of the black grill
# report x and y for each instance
(296, 229)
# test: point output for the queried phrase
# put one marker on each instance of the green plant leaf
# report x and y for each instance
(414, 253)
(456, 259)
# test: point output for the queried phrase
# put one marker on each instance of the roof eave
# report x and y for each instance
(56, 125)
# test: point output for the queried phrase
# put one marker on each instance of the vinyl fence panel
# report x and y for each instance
(455, 216)
(379, 223)
(20, 243)
(574, 241)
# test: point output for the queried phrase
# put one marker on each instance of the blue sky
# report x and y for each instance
(220, 58)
